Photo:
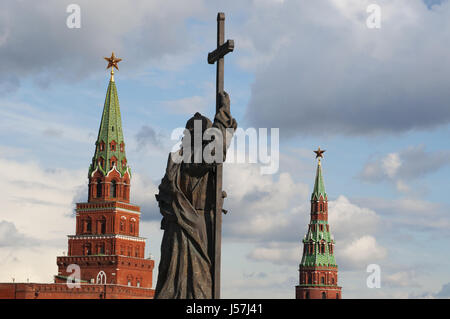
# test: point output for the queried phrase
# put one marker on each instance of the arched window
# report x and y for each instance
(88, 226)
(122, 226)
(113, 189)
(102, 225)
(310, 278)
(101, 277)
(332, 280)
(131, 227)
(324, 295)
(87, 249)
(99, 187)
(322, 280)
(138, 283)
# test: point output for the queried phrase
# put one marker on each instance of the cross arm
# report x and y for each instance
(221, 51)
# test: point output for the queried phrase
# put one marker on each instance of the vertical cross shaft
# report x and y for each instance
(220, 41)
(217, 56)
(218, 217)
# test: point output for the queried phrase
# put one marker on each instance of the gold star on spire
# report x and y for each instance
(112, 63)
(319, 153)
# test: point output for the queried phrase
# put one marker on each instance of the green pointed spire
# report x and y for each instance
(110, 145)
(319, 186)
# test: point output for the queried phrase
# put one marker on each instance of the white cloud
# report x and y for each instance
(38, 200)
(142, 193)
(361, 252)
(37, 214)
(400, 168)
(349, 221)
(261, 206)
(36, 264)
(10, 236)
(407, 278)
(188, 105)
(278, 253)
(273, 213)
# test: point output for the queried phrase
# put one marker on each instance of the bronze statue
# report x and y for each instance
(190, 198)
(187, 201)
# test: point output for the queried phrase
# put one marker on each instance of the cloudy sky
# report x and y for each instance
(376, 99)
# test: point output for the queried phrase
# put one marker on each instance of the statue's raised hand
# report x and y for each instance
(224, 100)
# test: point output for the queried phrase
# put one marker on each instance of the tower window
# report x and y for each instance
(100, 162)
(324, 295)
(101, 277)
(99, 188)
(102, 226)
(113, 189)
(88, 225)
(307, 295)
(87, 249)
(322, 280)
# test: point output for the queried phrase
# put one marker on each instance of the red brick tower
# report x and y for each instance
(106, 244)
(318, 268)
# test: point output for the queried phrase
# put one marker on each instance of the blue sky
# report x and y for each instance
(375, 99)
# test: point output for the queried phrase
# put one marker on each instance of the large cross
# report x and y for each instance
(218, 56)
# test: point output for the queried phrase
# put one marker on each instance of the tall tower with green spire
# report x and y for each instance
(106, 244)
(318, 268)
(109, 156)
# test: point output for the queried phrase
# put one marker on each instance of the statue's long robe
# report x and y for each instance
(187, 200)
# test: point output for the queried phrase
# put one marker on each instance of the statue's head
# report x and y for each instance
(196, 127)
(205, 122)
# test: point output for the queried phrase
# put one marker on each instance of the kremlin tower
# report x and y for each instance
(318, 268)
(105, 258)
(106, 244)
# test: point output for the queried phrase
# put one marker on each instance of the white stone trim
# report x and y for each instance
(96, 169)
(115, 210)
(126, 237)
(112, 169)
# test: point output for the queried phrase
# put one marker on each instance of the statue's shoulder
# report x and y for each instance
(173, 163)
